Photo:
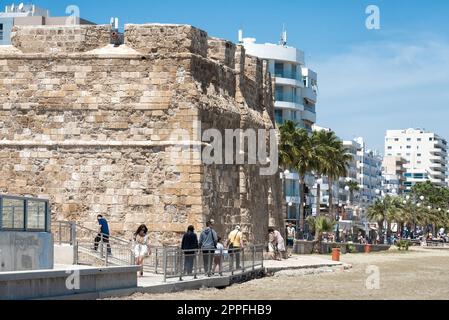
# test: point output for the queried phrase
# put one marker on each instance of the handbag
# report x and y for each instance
(231, 245)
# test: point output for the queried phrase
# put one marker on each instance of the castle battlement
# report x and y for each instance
(89, 126)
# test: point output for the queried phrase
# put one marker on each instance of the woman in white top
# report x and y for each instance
(141, 246)
(218, 257)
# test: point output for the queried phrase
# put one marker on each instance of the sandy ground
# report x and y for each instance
(417, 274)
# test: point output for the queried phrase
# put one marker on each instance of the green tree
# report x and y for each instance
(353, 186)
(319, 225)
(323, 143)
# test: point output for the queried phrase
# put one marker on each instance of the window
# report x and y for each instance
(279, 69)
(278, 116)
(408, 154)
(396, 139)
(36, 211)
(409, 139)
(390, 147)
(409, 147)
(279, 93)
(1, 31)
(419, 139)
(419, 154)
(430, 139)
(23, 214)
(294, 73)
(13, 216)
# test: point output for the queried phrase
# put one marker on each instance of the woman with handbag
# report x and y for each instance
(141, 246)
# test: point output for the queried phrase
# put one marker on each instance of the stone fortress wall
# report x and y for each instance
(89, 126)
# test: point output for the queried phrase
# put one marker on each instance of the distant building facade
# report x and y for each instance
(425, 155)
(30, 15)
(296, 90)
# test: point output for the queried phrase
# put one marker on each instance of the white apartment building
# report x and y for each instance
(393, 177)
(295, 99)
(425, 155)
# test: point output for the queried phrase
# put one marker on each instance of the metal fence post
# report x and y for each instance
(73, 241)
(243, 259)
(75, 253)
(156, 263)
(181, 256)
(262, 256)
(195, 265)
(164, 254)
(254, 258)
(60, 232)
(131, 255)
(106, 256)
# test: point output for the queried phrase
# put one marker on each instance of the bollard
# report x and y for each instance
(336, 254)
(367, 248)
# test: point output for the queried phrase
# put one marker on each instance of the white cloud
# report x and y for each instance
(385, 85)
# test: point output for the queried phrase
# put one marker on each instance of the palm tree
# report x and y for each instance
(287, 152)
(322, 142)
(377, 212)
(319, 225)
(304, 164)
(353, 186)
(295, 152)
(339, 158)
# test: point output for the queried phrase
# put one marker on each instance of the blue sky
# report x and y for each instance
(369, 80)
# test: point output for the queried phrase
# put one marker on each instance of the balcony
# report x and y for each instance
(438, 175)
(309, 94)
(436, 159)
(309, 115)
(287, 81)
(438, 152)
(286, 105)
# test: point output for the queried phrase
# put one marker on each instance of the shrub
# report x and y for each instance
(351, 248)
(402, 245)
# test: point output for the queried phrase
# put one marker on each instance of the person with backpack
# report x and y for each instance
(208, 244)
(235, 245)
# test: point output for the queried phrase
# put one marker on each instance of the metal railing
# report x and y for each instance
(93, 248)
(172, 262)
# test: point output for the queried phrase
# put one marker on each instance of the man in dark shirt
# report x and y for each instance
(103, 233)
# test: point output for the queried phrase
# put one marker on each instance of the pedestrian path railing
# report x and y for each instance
(91, 247)
(172, 262)
(96, 249)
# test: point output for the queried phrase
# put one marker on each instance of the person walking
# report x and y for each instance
(218, 258)
(189, 246)
(103, 234)
(235, 245)
(291, 234)
(141, 246)
(208, 244)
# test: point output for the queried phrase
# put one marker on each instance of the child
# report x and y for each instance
(218, 257)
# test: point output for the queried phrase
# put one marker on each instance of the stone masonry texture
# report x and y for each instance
(89, 126)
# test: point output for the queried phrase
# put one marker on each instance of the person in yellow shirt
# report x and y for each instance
(235, 245)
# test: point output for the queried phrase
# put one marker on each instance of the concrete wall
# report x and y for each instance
(92, 130)
(63, 254)
(25, 251)
(61, 283)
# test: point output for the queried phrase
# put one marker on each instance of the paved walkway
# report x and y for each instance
(153, 283)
